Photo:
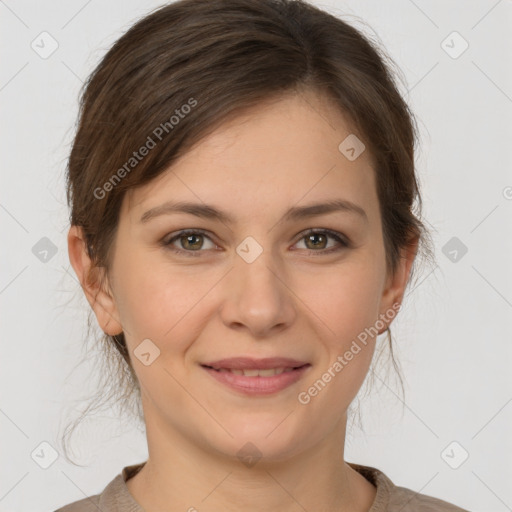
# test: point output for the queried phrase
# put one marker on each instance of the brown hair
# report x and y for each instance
(187, 67)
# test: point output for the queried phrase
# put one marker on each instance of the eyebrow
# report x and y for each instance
(293, 214)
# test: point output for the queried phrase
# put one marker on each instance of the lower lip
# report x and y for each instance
(258, 385)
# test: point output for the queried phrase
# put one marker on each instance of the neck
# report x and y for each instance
(180, 474)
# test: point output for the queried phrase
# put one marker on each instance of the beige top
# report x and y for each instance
(389, 498)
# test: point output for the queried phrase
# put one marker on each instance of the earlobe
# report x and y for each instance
(94, 283)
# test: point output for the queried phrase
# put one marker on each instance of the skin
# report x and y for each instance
(291, 301)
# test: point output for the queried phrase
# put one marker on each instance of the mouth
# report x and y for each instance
(257, 372)
(253, 377)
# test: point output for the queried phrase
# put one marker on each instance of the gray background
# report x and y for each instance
(453, 337)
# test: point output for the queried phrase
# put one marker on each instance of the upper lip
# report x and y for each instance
(243, 363)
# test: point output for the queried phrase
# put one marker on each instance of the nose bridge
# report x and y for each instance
(257, 268)
(258, 296)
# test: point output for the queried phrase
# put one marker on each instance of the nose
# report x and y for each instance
(258, 298)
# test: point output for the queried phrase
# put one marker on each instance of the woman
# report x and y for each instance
(242, 187)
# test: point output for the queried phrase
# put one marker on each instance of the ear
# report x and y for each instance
(94, 283)
(396, 283)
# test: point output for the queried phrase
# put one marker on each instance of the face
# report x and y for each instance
(268, 277)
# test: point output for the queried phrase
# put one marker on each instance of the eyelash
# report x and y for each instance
(341, 239)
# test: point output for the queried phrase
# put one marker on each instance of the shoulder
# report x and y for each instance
(407, 500)
(85, 505)
(393, 498)
(111, 499)
(115, 497)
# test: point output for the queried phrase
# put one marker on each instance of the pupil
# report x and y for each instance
(311, 237)
(191, 237)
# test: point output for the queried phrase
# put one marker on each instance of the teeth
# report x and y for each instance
(269, 372)
(255, 373)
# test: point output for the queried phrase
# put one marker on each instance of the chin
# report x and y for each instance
(259, 442)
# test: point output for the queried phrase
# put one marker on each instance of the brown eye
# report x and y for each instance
(317, 241)
(189, 242)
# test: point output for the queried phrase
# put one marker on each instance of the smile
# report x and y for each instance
(268, 372)
(257, 381)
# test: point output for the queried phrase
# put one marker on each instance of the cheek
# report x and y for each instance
(347, 305)
(160, 302)
(346, 299)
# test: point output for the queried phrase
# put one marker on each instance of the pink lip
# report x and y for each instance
(248, 363)
(258, 385)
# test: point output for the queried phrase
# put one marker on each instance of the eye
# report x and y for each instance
(190, 241)
(316, 239)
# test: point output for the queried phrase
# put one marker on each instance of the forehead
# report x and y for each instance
(272, 156)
